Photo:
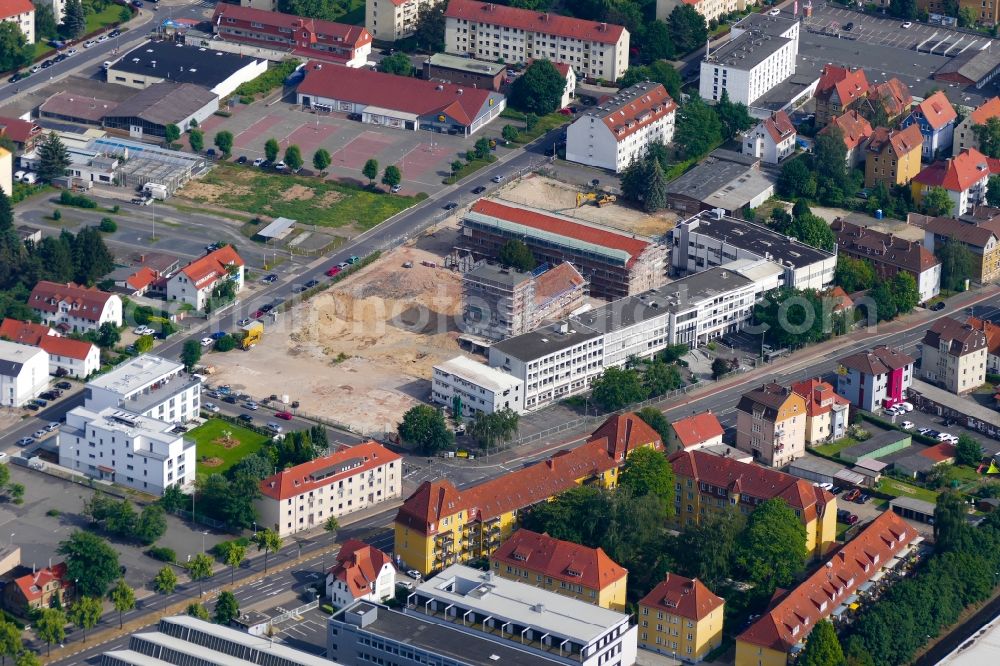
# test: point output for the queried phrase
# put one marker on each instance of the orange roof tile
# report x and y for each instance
(845, 302)
(561, 560)
(939, 453)
(902, 141)
(142, 278)
(534, 21)
(627, 118)
(24, 332)
(697, 429)
(849, 85)
(557, 281)
(958, 173)
(212, 266)
(791, 619)
(779, 126)
(988, 109)
(19, 131)
(894, 96)
(87, 302)
(853, 126)
(358, 566)
(936, 110)
(684, 597)
(991, 330)
(348, 461)
(820, 396)
(67, 347)
(31, 585)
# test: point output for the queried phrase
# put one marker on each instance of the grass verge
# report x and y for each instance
(468, 169)
(207, 436)
(833, 448)
(544, 124)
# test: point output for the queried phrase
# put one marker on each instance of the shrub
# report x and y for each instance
(53, 513)
(162, 554)
(221, 549)
(108, 225)
(115, 208)
(67, 198)
(225, 344)
(57, 215)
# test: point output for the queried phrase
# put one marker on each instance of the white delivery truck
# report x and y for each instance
(155, 190)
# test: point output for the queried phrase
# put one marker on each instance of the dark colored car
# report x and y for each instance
(311, 284)
(354, 116)
(938, 306)
(479, 190)
(15, 78)
(231, 399)
(47, 64)
(353, 259)
(211, 153)
(245, 418)
(270, 278)
(64, 386)
(218, 335)
(114, 33)
(268, 307)
(242, 159)
(451, 205)
(848, 26)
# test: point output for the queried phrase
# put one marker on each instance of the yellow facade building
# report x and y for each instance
(893, 156)
(439, 525)
(563, 567)
(682, 618)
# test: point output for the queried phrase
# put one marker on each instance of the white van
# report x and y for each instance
(30, 178)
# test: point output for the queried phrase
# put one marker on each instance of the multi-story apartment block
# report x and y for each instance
(839, 89)
(964, 177)
(893, 156)
(694, 432)
(194, 284)
(936, 118)
(73, 308)
(681, 617)
(620, 130)
(980, 237)
(24, 373)
(615, 263)
(784, 628)
(496, 32)
(771, 424)
(148, 385)
(856, 131)
(711, 239)
(875, 379)
(310, 38)
(710, 9)
(965, 131)
(889, 255)
(563, 567)
(439, 524)
(772, 140)
(953, 355)
(67, 357)
(760, 53)
(390, 20)
(305, 496)
(987, 12)
(499, 302)
(706, 483)
(992, 333)
(362, 573)
(478, 388)
(22, 14)
(826, 412)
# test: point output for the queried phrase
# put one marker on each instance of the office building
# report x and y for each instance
(24, 373)
(620, 130)
(354, 478)
(197, 282)
(563, 567)
(893, 156)
(155, 62)
(953, 356)
(826, 412)
(681, 617)
(710, 239)
(22, 14)
(980, 237)
(772, 140)
(391, 20)
(875, 379)
(362, 573)
(964, 177)
(936, 118)
(965, 131)
(477, 388)
(148, 385)
(771, 424)
(489, 31)
(440, 525)
(708, 483)
(73, 308)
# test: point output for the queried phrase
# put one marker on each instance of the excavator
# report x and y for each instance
(599, 198)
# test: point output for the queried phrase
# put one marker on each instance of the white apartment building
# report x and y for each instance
(303, 497)
(875, 379)
(389, 20)
(148, 385)
(953, 355)
(620, 130)
(73, 308)
(24, 373)
(489, 31)
(760, 54)
(710, 9)
(195, 282)
(772, 140)
(22, 14)
(712, 239)
(123, 447)
(479, 387)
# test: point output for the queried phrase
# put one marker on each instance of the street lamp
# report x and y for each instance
(11, 543)
(255, 528)
(203, 540)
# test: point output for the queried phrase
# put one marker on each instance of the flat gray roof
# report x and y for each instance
(470, 65)
(876, 442)
(913, 504)
(747, 50)
(711, 175)
(496, 272)
(544, 341)
(136, 373)
(962, 404)
(278, 228)
(756, 238)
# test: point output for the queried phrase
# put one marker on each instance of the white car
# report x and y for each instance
(207, 342)
(257, 162)
(41, 434)
(30, 178)
(89, 43)
(102, 39)
(18, 175)
(52, 426)
(774, 12)
(143, 330)
(945, 436)
(905, 406)
(3, 457)
(71, 52)
(414, 574)
(211, 407)
(906, 425)
(24, 441)
(906, 25)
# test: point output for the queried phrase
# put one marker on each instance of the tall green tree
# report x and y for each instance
(886, 306)
(968, 451)
(199, 611)
(698, 128)
(10, 641)
(772, 548)
(370, 171)
(797, 178)
(268, 541)
(853, 274)
(993, 190)
(950, 519)
(293, 158)
(196, 138)
(123, 598)
(46, 25)
(830, 165)
(428, 33)
(904, 291)
(648, 472)
(191, 354)
(27, 658)
(903, 9)
(494, 429)
(50, 626)
(53, 158)
(86, 613)
(321, 159)
(988, 135)
(659, 378)
(171, 133)
(271, 149)
(657, 43)
(74, 22)
(617, 388)
(660, 71)
(707, 550)
(656, 191)
(734, 116)
(936, 202)
(809, 229)
(199, 568)
(91, 256)
(655, 419)
(235, 557)
(165, 581)
(398, 64)
(91, 562)
(224, 142)
(151, 524)
(15, 51)
(227, 608)
(822, 647)
(539, 89)
(956, 265)
(392, 176)
(687, 29)
(424, 427)
(516, 254)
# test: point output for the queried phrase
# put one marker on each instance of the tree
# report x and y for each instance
(91, 562)
(648, 472)
(370, 171)
(796, 178)
(658, 72)
(687, 29)
(398, 64)
(199, 611)
(530, 121)
(853, 274)
(51, 627)
(772, 548)
(993, 190)
(498, 427)
(191, 354)
(707, 550)
(197, 140)
(53, 158)
(659, 378)
(905, 293)
(86, 613)
(539, 89)
(720, 367)
(655, 419)
(698, 127)
(392, 176)
(199, 568)
(331, 526)
(822, 647)
(793, 317)
(15, 51)
(171, 133)
(91, 257)
(232, 500)
(988, 135)
(807, 228)
(456, 166)
(235, 557)
(224, 142)
(293, 158)
(123, 598)
(321, 159)
(830, 165)
(968, 451)
(271, 149)
(635, 179)
(509, 133)
(949, 519)
(735, 117)
(46, 25)
(27, 658)
(617, 388)
(165, 581)
(482, 148)
(424, 427)
(151, 525)
(956, 265)
(903, 9)
(74, 22)
(516, 254)
(227, 608)
(936, 202)
(885, 301)
(657, 43)
(656, 190)
(428, 33)
(268, 541)
(107, 225)
(10, 641)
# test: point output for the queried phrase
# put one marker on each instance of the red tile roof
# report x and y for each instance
(684, 597)
(142, 278)
(850, 85)
(894, 96)
(820, 396)
(24, 332)
(991, 330)
(960, 337)
(779, 126)
(31, 585)
(562, 226)
(939, 453)
(358, 566)
(902, 141)
(19, 131)
(534, 21)
(561, 560)
(958, 173)
(604, 450)
(557, 281)
(400, 93)
(696, 429)
(844, 301)
(882, 248)
(87, 302)
(349, 461)
(751, 481)
(854, 127)
(212, 266)
(636, 111)
(791, 619)
(67, 347)
(340, 34)
(878, 361)
(936, 110)
(988, 109)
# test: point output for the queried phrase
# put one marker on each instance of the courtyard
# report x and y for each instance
(221, 444)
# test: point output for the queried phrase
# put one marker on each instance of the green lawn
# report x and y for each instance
(545, 123)
(469, 168)
(207, 435)
(312, 201)
(97, 20)
(901, 489)
(42, 48)
(833, 448)
(354, 12)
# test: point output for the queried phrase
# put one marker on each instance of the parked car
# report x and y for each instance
(414, 574)
(206, 342)
(285, 416)
(89, 43)
(353, 259)
(102, 39)
(906, 425)
(938, 306)
(479, 189)
(257, 162)
(497, 179)
(923, 431)
(905, 406)
(774, 12)
(848, 26)
(853, 495)
(311, 284)
(25, 441)
(211, 153)
(246, 418)
(274, 427)
(211, 407)
(332, 271)
(242, 159)
(231, 399)
(279, 166)
(64, 386)
(251, 405)
(906, 25)
(258, 314)
(114, 33)
(945, 436)
(863, 498)
(30, 178)
(395, 188)
(41, 434)
(268, 279)
(852, 518)
(451, 205)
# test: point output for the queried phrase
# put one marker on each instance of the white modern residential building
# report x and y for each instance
(490, 31)
(875, 379)
(147, 385)
(195, 282)
(772, 140)
(125, 448)
(389, 20)
(73, 308)
(711, 239)
(362, 573)
(24, 373)
(583, 633)
(620, 130)
(303, 497)
(22, 14)
(479, 387)
(759, 54)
